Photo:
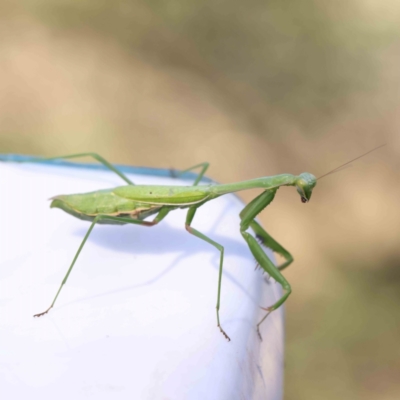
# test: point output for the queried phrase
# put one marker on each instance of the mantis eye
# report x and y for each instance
(303, 200)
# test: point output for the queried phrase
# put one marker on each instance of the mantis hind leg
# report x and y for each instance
(96, 156)
(161, 215)
(204, 166)
(189, 219)
(247, 216)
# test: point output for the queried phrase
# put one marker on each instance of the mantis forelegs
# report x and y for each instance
(189, 219)
(268, 241)
(247, 216)
(161, 215)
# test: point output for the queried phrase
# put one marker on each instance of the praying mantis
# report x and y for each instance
(132, 204)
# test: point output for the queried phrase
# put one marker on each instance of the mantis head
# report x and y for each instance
(305, 183)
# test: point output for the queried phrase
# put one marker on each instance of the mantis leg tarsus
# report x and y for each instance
(262, 320)
(224, 333)
(44, 312)
(189, 219)
(161, 215)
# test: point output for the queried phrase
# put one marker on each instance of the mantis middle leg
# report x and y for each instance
(189, 219)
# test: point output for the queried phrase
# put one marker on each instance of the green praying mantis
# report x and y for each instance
(132, 204)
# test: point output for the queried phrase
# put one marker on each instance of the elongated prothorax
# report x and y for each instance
(268, 182)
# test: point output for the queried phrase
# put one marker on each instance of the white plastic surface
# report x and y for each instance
(136, 319)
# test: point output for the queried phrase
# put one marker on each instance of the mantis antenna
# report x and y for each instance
(337, 169)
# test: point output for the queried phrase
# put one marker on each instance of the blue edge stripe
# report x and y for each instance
(163, 172)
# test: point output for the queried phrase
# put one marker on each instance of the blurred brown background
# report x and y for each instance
(255, 88)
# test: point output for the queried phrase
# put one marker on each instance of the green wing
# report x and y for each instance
(166, 195)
